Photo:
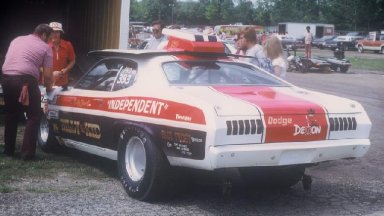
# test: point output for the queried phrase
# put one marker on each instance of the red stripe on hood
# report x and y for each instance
(286, 118)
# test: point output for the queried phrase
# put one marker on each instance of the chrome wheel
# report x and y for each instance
(135, 158)
(44, 129)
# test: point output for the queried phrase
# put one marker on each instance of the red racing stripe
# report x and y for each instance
(140, 106)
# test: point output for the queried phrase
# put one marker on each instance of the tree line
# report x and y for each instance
(357, 15)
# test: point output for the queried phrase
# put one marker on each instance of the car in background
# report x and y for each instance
(230, 46)
(347, 42)
(191, 105)
(320, 42)
(142, 44)
(374, 42)
(288, 40)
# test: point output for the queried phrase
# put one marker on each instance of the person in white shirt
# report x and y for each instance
(274, 51)
(252, 48)
(157, 36)
(308, 37)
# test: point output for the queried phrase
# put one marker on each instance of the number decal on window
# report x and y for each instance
(125, 76)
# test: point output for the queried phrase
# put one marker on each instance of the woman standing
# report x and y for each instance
(273, 49)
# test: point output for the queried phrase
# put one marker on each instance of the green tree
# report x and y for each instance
(345, 14)
(244, 12)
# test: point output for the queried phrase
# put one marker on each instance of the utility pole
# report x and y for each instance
(172, 6)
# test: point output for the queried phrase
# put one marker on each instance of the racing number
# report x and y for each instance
(125, 76)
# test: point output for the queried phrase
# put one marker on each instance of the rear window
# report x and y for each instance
(216, 73)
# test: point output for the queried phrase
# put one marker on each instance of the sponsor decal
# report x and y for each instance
(125, 76)
(70, 126)
(306, 130)
(279, 121)
(196, 140)
(184, 143)
(74, 127)
(178, 141)
(92, 130)
(82, 102)
(151, 107)
(183, 117)
(173, 136)
(312, 127)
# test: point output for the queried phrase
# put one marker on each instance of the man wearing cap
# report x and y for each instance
(64, 57)
(21, 72)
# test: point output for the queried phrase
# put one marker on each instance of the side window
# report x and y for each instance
(108, 75)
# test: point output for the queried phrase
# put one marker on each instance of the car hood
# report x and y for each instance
(253, 100)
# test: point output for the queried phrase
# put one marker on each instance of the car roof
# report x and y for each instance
(108, 53)
(180, 42)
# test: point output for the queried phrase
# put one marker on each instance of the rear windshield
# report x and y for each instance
(216, 73)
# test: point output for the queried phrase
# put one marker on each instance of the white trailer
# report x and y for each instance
(298, 29)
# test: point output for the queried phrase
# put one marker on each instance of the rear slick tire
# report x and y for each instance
(143, 170)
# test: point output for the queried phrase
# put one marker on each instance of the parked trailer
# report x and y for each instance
(298, 29)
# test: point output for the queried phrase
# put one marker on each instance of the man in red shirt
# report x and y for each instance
(64, 57)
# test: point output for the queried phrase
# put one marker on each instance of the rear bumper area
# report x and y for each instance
(279, 154)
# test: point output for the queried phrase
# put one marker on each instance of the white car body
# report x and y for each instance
(198, 108)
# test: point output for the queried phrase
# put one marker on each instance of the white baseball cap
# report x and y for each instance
(56, 26)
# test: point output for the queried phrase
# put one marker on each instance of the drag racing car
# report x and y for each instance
(193, 106)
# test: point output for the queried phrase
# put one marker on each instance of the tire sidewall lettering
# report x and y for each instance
(133, 188)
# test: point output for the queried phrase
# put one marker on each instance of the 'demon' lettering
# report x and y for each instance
(307, 130)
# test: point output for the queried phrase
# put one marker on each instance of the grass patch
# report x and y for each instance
(6, 189)
(79, 166)
(367, 64)
(358, 63)
(46, 167)
(38, 190)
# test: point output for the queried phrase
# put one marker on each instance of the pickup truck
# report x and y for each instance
(374, 42)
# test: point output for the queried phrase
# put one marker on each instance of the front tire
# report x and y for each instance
(45, 139)
(143, 170)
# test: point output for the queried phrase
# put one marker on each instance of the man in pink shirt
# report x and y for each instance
(21, 72)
